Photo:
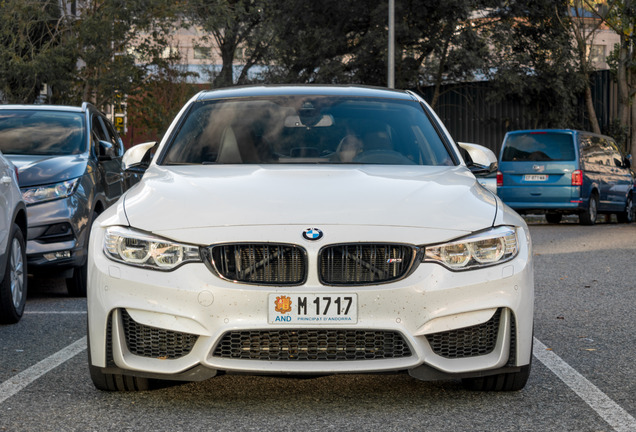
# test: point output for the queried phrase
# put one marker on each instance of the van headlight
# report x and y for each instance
(487, 248)
(144, 250)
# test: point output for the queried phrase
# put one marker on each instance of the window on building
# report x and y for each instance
(597, 53)
(202, 53)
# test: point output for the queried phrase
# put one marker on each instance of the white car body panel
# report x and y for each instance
(239, 195)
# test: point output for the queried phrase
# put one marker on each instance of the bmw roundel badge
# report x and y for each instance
(312, 234)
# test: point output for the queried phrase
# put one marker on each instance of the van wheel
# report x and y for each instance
(553, 218)
(589, 216)
(13, 287)
(627, 216)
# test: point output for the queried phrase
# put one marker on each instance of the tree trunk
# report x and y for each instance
(225, 77)
(631, 142)
(589, 105)
(623, 87)
(440, 70)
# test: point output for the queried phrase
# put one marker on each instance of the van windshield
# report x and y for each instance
(539, 146)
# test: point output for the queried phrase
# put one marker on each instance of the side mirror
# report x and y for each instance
(479, 159)
(627, 161)
(105, 150)
(139, 156)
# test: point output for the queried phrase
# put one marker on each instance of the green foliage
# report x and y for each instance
(231, 25)
(118, 47)
(32, 50)
(105, 33)
(533, 60)
(311, 42)
(620, 133)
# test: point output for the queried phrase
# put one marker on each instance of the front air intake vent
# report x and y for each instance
(312, 345)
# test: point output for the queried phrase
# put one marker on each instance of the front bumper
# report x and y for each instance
(151, 323)
(57, 234)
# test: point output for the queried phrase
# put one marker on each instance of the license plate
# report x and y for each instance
(535, 177)
(312, 308)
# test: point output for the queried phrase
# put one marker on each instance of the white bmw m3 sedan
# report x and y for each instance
(309, 230)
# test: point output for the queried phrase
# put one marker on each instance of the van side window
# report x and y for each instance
(606, 153)
(592, 152)
(615, 154)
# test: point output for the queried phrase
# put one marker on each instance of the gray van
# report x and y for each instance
(564, 171)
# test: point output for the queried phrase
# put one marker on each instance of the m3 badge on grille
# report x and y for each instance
(312, 234)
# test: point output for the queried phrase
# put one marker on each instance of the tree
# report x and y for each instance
(583, 25)
(620, 15)
(120, 44)
(233, 25)
(450, 43)
(533, 60)
(314, 42)
(33, 51)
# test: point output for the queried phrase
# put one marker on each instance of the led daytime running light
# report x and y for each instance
(481, 250)
(142, 250)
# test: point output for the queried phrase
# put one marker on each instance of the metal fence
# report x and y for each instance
(470, 117)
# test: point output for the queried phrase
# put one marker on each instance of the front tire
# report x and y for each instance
(13, 288)
(114, 382)
(117, 382)
(76, 284)
(512, 381)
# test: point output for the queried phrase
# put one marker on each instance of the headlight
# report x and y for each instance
(487, 248)
(38, 194)
(143, 250)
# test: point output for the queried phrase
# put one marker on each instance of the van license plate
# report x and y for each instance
(535, 177)
(312, 308)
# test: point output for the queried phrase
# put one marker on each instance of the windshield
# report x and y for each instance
(539, 146)
(40, 132)
(305, 129)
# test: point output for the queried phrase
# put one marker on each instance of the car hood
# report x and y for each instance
(184, 197)
(40, 170)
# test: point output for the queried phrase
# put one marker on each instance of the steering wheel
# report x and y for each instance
(388, 157)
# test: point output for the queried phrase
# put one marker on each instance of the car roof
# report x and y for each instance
(309, 90)
(540, 131)
(66, 108)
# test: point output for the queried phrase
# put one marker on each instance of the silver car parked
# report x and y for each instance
(13, 232)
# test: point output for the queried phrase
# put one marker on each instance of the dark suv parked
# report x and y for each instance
(69, 161)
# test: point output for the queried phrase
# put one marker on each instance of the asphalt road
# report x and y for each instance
(582, 378)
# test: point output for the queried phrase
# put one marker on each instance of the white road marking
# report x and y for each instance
(54, 312)
(619, 419)
(16, 383)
